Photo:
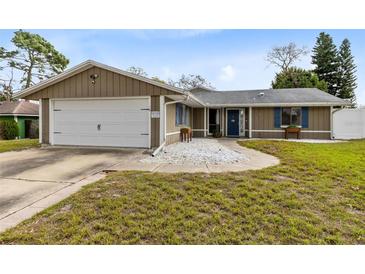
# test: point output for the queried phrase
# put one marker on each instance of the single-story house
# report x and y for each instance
(93, 104)
(24, 113)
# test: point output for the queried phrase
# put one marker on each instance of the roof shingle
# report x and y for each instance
(300, 96)
(18, 108)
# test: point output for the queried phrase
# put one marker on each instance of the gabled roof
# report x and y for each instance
(208, 97)
(19, 108)
(84, 66)
(268, 97)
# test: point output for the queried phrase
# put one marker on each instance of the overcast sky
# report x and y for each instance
(229, 59)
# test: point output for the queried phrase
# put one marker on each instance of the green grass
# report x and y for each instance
(315, 196)
(9, 145)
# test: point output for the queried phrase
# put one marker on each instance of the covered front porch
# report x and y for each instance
(226, 121)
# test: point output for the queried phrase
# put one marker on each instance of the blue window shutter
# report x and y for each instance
(178, 114)
(277, 117)
(304, 117)
(183, 114)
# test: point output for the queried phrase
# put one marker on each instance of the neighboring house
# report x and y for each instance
(94, 104)
(24, 113)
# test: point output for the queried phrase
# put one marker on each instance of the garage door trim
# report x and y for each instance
(51, 113)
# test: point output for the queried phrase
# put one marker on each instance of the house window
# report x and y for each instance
(182, 115)
(291, 116)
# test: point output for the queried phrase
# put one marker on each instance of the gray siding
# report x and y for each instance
(319, 119)
(170, 139)
(108, 84)
(171, 126)
(198, 122)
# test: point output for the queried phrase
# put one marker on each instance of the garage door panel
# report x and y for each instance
(68, 120)
(91, 105)
(105, 129)
(106, 140)
(65, 115)
(105, 126)
(123, 123)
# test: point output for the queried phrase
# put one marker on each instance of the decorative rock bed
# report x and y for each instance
(208, 151)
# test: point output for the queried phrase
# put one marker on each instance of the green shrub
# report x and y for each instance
(9, 129)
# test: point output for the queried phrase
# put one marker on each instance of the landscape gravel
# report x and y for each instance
(198, 151)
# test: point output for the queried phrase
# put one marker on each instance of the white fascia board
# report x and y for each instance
(23, 115)
(86, 65)
(54, 79)
(306, 104)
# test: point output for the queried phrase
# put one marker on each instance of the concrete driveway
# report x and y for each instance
(32, 180)
(29, 177)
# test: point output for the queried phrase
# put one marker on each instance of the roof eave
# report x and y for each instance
(280, 104)
(84, 66)
(196, 99)
(18, 114)
(43, 84)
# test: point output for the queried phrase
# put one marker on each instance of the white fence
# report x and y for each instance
(349, 123)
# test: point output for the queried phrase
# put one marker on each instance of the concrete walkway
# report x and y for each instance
(256, 160)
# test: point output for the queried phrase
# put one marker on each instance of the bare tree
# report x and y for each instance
(157, 79)
(6, 75)
(191, 81)
(137, 70)
(285, 56)
(6, 87)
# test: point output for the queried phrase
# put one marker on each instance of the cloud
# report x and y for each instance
(171, 34)
(228, 73)
(193, 33)
(168, 73)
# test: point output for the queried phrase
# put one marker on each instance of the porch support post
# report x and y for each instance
(162, 120)
(331, 122)
(222, 120)
(40, 122)
(250, 122)
(205, 122)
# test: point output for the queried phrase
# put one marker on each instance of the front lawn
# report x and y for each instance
(9, 145)
(315, 196)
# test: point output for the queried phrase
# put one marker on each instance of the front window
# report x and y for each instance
(291, 116)
(182, 115)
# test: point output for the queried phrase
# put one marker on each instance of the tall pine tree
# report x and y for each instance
(347, 73)
(326, 61)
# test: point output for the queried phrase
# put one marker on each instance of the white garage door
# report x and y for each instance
(120, 123)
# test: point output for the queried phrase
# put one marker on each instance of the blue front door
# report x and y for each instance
(233, 127)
